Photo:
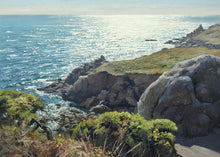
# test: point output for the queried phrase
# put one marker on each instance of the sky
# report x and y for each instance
(94, 7)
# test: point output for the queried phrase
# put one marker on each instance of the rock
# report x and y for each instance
(60, 87)
(197, 31)
(169, 42)
(150, 40)
(164, 49)
(100, 108)
(67, 120)
(71, 118)
(103, 94)
(88, 86)
(188, 94)
(92, 101)
(84, 70)
(58, 105)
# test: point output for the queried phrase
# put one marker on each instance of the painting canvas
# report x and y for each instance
(109, 78)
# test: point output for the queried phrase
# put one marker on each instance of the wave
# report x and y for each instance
(8, 32)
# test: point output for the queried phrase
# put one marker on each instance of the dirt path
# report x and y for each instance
(208, 146)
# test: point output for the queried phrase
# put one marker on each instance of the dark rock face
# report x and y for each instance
(119, 93)
(188, 94)
(88, 89)
(188, 40)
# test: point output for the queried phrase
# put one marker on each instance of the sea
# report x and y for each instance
(38, 48)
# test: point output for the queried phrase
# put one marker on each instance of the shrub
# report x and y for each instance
(18, 106)
(130, 134)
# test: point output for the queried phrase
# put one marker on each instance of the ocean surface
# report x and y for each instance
(34, 49)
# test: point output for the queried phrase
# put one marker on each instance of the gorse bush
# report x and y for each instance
(18, 106)
(129, 134)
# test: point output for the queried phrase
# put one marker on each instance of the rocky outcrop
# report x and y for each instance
(88, 89)
(188, 94)
(189, 41)
(61, 87)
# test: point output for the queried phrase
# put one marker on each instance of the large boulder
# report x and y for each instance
(188, 94)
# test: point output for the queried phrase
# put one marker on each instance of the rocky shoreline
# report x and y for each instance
(189, 41)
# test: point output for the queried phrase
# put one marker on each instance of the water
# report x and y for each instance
(34, 49)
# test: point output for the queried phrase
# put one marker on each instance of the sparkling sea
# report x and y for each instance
(34, 49)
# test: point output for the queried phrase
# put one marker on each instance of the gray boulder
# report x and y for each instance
(188, 94)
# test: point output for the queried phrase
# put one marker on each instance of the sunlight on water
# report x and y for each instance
(34, 49)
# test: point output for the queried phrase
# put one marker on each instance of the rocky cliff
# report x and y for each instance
(101, 91)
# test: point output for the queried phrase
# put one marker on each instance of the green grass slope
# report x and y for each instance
(156, 63)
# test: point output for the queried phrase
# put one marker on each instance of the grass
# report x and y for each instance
(210, 36)
(156, 63)
(17, 142)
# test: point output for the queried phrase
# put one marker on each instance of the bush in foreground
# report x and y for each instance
(18, 107)
(129, 134)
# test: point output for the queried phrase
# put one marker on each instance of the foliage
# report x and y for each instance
(129, 133)
(156, 63)
(16, 142)
(18, 105)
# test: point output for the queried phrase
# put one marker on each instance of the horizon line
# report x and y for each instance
(106, 14)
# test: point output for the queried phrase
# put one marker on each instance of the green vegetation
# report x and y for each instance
(130, 134)
(18, 106)
(17, 139)
(111, 134)
(210, 36)
(157, 63)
